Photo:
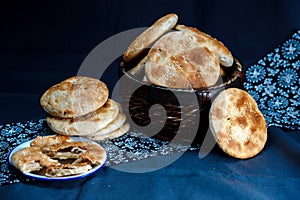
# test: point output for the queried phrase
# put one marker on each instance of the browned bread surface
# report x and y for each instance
(149, 36)
(214, 45)
(31, 159)
(237, 124)
(179, 60)
(74, 97)
(85, 125)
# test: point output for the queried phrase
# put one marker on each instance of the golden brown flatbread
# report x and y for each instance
(44, 141)
(58, 158)
(68, 169)
(85, 125)
(149, 36)
(114, 134)
(75, 96)
(224, 55)
(179, 60)
(81, 151)
(237, 124)
(32, 159)
(114, 125)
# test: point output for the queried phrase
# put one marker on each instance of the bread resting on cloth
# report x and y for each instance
(237, 124)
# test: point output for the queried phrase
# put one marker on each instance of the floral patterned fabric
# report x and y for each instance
(131, 147)
(274, 82)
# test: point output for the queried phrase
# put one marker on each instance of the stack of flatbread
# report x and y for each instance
(79, 106)
(178, 56)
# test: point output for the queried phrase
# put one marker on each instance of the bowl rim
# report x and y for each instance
(237, 73)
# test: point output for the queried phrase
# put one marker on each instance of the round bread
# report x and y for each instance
(224, 55)
(179, 60)
(149, 36)
(85, 125)
(68, 170)
(74, 97)
(114, 134)
(114, 125)
(237, 124)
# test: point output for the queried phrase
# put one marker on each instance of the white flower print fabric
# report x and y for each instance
(274, 83)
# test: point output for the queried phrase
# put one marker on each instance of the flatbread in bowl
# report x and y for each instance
(182, 61)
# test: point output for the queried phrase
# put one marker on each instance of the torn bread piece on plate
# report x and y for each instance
(114, 125)
(79, 151)
(32, 159)
(68, 170)
(114, 134)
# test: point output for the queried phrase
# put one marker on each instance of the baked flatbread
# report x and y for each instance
(149, 36)
(179, 60)
(237, 124)
(85, 125)
(94, 154)
(224, 55)
(114, 134)
(83, 152)
(114, 125)
(45, 141)
(68, 169)
(31, 159)
(61, 158)
(75, 96)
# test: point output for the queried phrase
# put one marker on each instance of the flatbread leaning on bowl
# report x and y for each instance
(237, 124)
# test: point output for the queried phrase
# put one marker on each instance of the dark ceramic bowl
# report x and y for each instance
(185, 111)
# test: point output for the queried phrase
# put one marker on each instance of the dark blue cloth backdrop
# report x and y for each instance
(44, 42)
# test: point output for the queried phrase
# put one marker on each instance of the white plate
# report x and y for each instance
(41, 177)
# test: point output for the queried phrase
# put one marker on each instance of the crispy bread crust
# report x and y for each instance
(44, 141)
(86, 155)
(31, 159)
(114, 125)
(214, 45)
(179, 60)
(74, 97)
(237, 124)
(114, 134)
(85, 125)
(149, 36)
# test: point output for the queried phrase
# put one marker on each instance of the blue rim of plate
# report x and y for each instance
(46, 178)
